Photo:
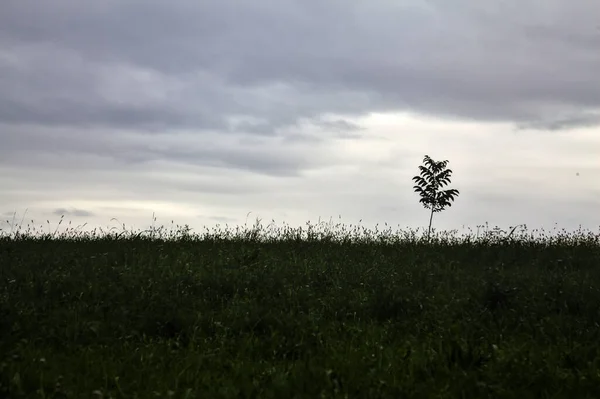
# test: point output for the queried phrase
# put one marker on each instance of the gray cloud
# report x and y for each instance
(563, 123)
(121, 108)
(72, 212)
(199, 64)
(219, 219)
(114, 150)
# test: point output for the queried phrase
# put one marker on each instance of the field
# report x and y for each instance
(264, 312)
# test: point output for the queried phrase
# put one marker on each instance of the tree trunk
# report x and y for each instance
(430, 220)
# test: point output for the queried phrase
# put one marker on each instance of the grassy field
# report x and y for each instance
(267, 312)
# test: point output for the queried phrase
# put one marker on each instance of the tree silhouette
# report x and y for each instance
(433, 177)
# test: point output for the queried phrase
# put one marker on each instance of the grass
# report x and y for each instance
(314, 312)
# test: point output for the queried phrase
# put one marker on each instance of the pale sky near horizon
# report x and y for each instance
(298, 110)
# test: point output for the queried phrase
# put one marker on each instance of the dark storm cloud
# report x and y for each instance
(283, 61)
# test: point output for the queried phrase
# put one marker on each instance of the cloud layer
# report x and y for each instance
(123, 106)
(152, 65)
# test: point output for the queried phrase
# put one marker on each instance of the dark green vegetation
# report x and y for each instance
(356, 314)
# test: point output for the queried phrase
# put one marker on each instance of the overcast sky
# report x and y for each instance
(203, 111)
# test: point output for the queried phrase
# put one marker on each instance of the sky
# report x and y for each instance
(223, 111)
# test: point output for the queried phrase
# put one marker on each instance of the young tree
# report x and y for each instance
(432, 178)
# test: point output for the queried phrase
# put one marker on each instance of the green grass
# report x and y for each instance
(266, 312)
